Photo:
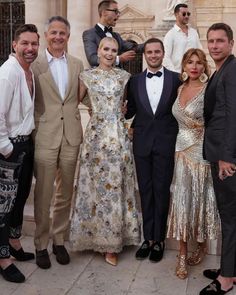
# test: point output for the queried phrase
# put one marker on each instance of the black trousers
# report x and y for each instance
(225, 192)
(154, 173)
(14, 219)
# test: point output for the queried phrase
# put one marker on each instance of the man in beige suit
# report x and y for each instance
(58, 135)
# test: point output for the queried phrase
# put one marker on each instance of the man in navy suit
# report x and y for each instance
(151, 95)
(108, 16)
(220, 150)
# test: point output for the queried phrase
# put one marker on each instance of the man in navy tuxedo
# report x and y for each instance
(151, 95)
(108, 16)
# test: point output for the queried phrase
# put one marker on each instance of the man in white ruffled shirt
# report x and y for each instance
(16, 125)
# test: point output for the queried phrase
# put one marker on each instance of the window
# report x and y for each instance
(12, 15)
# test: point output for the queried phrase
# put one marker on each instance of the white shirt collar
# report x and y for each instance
(101, 26)
(178, 28)
(50, 57)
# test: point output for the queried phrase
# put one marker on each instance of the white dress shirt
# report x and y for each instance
(154, 88)
(16, 104)
(176, 43)
(59, 70)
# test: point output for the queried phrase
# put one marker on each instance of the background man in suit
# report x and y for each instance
(16, 125)
(151, 95)
(58, 136)
(220, 150)
(108, 16)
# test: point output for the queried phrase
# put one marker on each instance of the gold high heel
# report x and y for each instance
(111, 258)
(181, 268)
(197, 255)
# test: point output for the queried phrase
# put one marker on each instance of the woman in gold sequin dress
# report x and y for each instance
(193, 213)
(105, 216)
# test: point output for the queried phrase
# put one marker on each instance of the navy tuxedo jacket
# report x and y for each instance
(92, 38)
(153, 132)
(220, 114)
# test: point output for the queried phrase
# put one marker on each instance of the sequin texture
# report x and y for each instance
(193, 212)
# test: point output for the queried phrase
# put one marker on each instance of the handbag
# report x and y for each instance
(9, 175)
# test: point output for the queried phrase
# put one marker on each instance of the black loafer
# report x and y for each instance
(12, 274)
(61, 253)
(144, 251)
(42, 259)
(20, 254)
(214, 288)
(157, 251)
(211, 274)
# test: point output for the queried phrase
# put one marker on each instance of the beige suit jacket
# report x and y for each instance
(54, 117)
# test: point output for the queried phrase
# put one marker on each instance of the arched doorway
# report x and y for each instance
(12, 15)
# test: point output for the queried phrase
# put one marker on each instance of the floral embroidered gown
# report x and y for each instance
(105, 216)
(193, 212)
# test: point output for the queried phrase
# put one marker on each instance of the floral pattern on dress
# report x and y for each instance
(105, 216)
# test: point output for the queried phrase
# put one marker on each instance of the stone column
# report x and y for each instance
(79, 16)
(37, 12)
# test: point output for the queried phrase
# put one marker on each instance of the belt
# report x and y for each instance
(19, 138)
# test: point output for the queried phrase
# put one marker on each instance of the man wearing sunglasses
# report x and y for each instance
(108, 16)
(179, 39)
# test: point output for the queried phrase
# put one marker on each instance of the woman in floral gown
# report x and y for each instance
(105, 216)
(193, 212)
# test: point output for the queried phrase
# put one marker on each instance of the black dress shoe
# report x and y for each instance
(214, 288)
(42, 259)
(20, 254)
(12, 274)
(157, 251)
(61, 253)
(211, 274)
(144, 251)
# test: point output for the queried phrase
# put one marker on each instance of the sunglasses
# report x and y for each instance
(116, 11)
(186, 13)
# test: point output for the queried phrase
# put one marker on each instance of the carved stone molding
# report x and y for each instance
(129, 14)
(134, 24)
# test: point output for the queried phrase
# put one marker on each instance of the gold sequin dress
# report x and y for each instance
(105, 216)
(193, 212)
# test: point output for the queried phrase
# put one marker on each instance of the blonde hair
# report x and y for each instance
(202, 57)
(109, 39)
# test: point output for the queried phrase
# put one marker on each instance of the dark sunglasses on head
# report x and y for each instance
(117, 11)
(186, 13)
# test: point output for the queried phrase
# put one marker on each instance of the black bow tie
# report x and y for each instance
(150, 75)
(107, 29)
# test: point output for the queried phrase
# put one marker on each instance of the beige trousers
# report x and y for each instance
(47, 163)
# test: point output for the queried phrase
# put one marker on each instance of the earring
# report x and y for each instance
(98, 59)
(203, 78)
(184, 76)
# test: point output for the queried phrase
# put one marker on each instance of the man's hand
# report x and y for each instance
(126, 56)
(90, 111)
(124, 107)
(8, 155)
(226, 169)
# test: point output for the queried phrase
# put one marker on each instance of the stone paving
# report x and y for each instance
(88, 274)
